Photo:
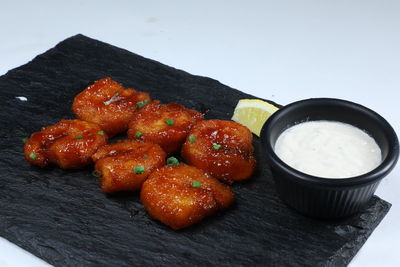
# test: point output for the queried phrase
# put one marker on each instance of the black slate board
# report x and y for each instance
(65, 219)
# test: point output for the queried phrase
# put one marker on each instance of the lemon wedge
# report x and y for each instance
(253, 113)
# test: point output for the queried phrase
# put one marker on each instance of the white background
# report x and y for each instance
(280, 50)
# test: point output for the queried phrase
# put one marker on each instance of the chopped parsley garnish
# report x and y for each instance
(172, 161)
(79, 136)
(196, 184)
(33, 156)
(90, 134)
(145, 156)
(139, 169)
(114, 98)
(24, 140)
(216, 146)
(97, 173)
(101, 133)
(192, 139)
(169, 121)
(141, 103)
(138, 134)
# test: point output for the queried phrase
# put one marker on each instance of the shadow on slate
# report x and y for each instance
(64, 218)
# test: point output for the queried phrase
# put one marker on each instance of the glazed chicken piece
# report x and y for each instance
(166, 125)
(222, 148)
(125, 165)
(182, 195)
(68, 144)
(108, 104)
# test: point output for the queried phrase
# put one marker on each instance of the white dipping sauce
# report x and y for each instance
(328, 149)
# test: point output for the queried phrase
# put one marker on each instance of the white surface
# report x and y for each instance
(280, 50)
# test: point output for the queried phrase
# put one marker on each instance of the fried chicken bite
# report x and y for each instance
(222, 148)
(68, 144)
(108, 104)
(125, 165)
(182, 195)
(166, 125)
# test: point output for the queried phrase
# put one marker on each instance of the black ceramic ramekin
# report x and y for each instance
(322, 197)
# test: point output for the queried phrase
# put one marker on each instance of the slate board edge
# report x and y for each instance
(335, 260)
(9, 72)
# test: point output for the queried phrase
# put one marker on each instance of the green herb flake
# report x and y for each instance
(141, 103)
(138, 134)
(172, 161)
(79, 136)
(169, 121)
(145, 156)
(139, 170)
(33, 156)
(24, 140)
(101, 133)
(196, 184)
(97, 173)
(192, 139)
(216, 146)
(112, 99)
(90, 134)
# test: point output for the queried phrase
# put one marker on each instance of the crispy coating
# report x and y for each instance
(166, 125)
(183, 195)
(116, 163)
(108, 104)
(68, 144)
(222, 148)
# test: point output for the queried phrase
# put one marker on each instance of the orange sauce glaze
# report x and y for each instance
(151, 119)
(108, 104)
(116, 163)
(170, 197)
(232, 161)
(68, 144)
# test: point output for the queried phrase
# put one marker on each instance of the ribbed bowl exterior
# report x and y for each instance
(324, 197)
(322, 202)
